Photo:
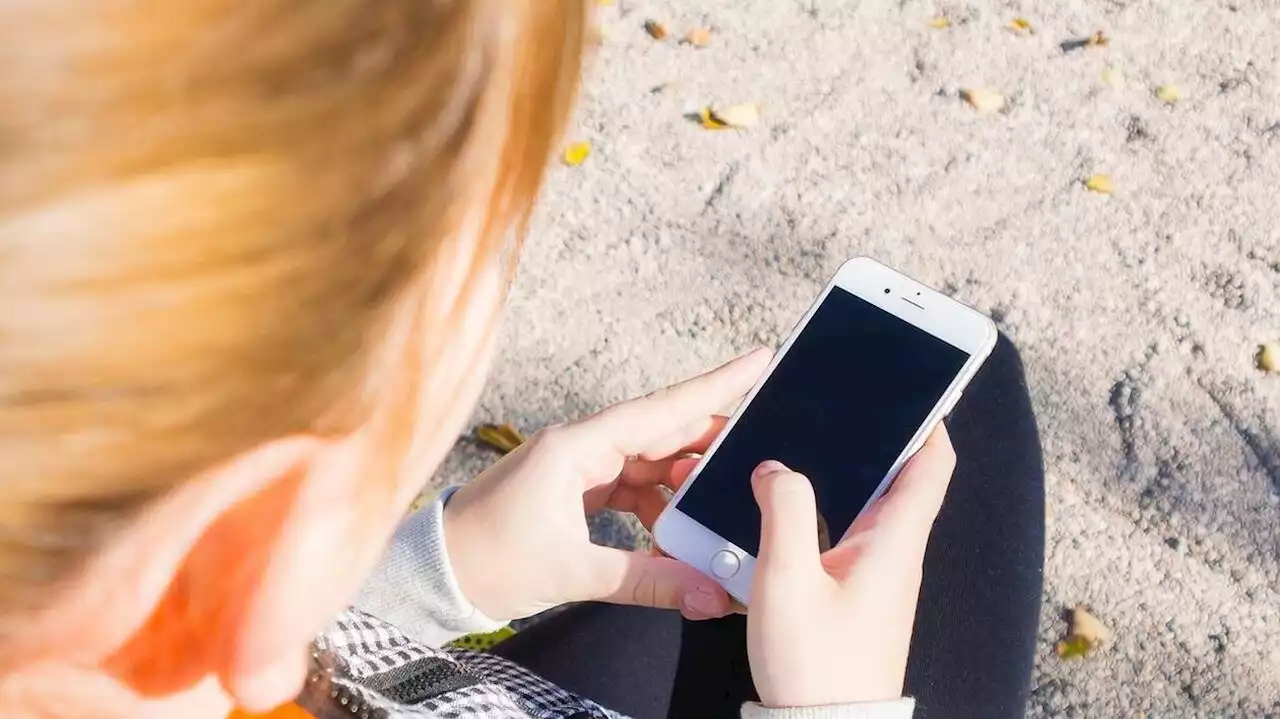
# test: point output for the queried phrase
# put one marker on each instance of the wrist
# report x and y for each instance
(475, 585)
(467, 578)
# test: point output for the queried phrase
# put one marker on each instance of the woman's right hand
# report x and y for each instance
(835, 628)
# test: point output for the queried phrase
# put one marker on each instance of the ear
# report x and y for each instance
(259, 554)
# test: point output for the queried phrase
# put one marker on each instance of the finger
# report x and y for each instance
(644, 502)
(693, 438)
(915, 498)
(623, 577)
(680, 471)
(643, 473)
(788, 542)
(643, 426)
(670, 473)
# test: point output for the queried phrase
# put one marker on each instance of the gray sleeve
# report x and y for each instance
(414, 588)
(896, 709)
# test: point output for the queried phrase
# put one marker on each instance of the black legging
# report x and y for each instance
(974, 644)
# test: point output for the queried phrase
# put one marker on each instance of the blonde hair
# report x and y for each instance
(210, 211)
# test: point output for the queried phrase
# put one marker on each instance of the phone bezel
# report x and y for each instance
(683, 537)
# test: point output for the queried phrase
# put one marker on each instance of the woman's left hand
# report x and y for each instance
(517, 535)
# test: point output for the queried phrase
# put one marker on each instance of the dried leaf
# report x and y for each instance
(1073, 647)
(1088, 627)
(1269, 357)
(740, 116)
(1101, 183)
(576, 153)
(709, 120)
(502, 437)
(986, 102)
(1098, 39)
(656, 30)
(1169, 94)
(941, 22)
(1114, 77)
(1021, 26)
(698, 37)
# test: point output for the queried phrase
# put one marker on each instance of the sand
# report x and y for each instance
(1138, 314)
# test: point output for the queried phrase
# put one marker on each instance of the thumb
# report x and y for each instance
(789, 512)
(622, 577)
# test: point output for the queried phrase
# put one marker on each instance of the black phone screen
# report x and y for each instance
(839, 408)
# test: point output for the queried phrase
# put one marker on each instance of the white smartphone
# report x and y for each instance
(870, 370)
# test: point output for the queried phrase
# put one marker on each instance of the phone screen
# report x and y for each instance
(839, 408)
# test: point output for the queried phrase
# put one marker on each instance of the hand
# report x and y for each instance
(517, 536)
(835, 628)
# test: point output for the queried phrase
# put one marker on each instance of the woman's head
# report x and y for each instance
(250, 260)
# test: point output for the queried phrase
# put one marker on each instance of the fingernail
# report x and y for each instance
(768, 467)
(700, 604)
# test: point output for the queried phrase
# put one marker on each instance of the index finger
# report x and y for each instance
(919, 489)
(662, 422)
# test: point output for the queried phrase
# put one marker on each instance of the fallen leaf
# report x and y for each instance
(576, 153)
(1073, 647)
(985, 102)
(1100, 183)
(709, 121)
(698, 37)
(1021, 26)
(1169, 94)
(656, 30)
(1269, 357)
(740, 116)
(1098, 39)
(502, 437)
(1088, 627)
(941, 22)
(1114, 77)
(1084, 633)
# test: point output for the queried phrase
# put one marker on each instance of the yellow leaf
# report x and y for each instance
(709, 121)
(1073, 647)
(1100, 183)
(1098, 39)
(576, 153)
(1169, 94)
(698, 37)
(985, 102)
(1269, 357)
(502, 437)
(1021, 26)
(1114, 77)
(740, 116)
(656, 30)
(941, 22)
(1088, 627)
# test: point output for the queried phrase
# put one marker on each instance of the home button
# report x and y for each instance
(725, 564)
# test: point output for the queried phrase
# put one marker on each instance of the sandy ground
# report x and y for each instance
(1138, 314)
